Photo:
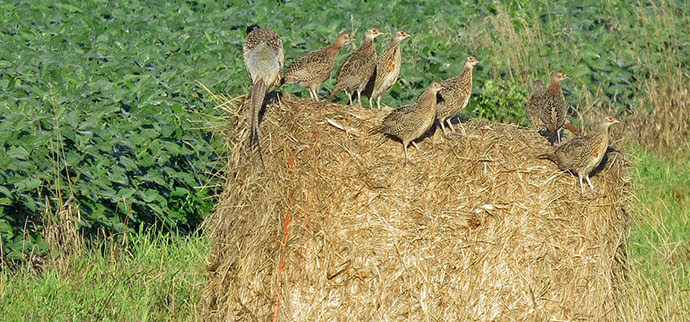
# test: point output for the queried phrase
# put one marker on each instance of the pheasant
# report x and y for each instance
(554, 110)
(532, 109)
(533, 113)
(582, 155)
(314, 68)
(263, 57)
(410, 122)
(387, 70)
(358, 68)
(455, 95)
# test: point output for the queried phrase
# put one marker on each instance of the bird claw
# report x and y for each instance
(593, 195)
(455, 135)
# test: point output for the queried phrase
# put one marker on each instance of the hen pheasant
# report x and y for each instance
(263, 57)
(358, 68)
(455, 95)
(387, 70)
(582, 155)
(554, 110)
(314, 68)
(533, 112)
(410, 122)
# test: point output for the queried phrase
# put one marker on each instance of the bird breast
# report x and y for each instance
(598, 146)
(392, 70)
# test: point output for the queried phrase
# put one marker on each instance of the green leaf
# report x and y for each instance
(28, 184)
(18, 152)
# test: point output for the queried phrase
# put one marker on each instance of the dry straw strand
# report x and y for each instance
(337, 226)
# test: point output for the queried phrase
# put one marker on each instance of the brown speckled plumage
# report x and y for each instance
(387, 69)
(263, 58)
(582, 155)
(410, 122)
(314, 68)
(554, 110)
(455, 95)
(358, 67)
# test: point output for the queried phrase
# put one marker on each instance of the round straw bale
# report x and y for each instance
(334, 225)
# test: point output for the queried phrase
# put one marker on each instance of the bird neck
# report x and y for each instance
(394, 42)
(392, 48)
(603, 133)
(428, 96)
(605, 128)
(554, 86)
(335, 47)
(368, 45)
(467, 72)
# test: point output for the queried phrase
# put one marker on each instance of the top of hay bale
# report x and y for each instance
(337, 225)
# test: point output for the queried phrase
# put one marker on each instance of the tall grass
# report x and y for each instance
(160, 276)
(626, 59)
(657, 281)
(149, 276)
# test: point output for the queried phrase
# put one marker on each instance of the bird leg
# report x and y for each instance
(359, 97)
(558, 134)
(582, 189)
(462, 129)
(590, 184)
(407, 158)
(378, 102)
(443, 128)
(349, 95)
(371, 102)
(450, 124)
(417, 147)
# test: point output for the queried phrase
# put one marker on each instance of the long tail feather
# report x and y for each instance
(572, 128)
(257, 99)
(377, 129)
(334, 93)
(549, 156)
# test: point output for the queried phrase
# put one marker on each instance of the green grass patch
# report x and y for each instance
(160, 276)
(658, 246)
(98, 106)
(98, 100)
(154, 276)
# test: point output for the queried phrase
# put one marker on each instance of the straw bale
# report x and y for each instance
(335, 226)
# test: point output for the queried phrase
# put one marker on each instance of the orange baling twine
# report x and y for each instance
(285, 237)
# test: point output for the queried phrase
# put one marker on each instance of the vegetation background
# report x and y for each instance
(110, 156)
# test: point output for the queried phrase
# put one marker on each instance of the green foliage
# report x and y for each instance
(503, 105)
(159, 277)
(99, 104)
